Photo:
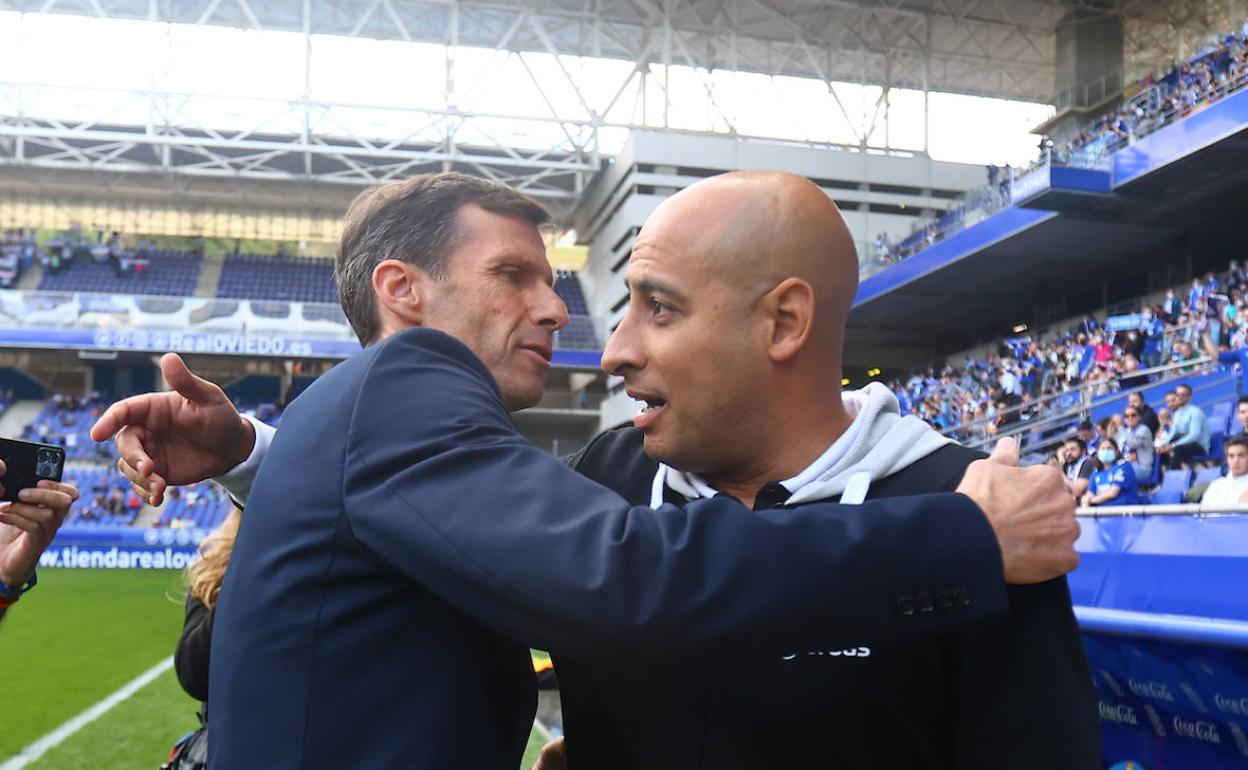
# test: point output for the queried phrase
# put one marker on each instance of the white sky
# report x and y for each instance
(244, 79)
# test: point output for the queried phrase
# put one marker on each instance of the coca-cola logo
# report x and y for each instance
(1200, 730)
(1231, 705)
(1155, 690)
(1121, 715)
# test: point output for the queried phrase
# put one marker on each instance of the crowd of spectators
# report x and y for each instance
(1160, 99)
(1148, 104)
(1041, 379)
(65, 420)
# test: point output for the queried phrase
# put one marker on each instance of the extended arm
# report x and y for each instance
(440, 484)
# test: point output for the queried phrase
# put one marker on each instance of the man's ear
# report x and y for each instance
(400, 289)
(790, 308)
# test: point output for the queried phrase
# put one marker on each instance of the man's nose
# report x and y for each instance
(621, 352)
(550, 310)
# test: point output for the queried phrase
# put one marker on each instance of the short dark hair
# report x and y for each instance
(1183, 386)
(414, 221)
(1240, 440)
(1242, 400)
(1085, 425)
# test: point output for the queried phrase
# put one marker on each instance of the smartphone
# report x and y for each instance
(26, 462)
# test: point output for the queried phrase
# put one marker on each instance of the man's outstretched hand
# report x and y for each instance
(1032, 512)
(180, 436)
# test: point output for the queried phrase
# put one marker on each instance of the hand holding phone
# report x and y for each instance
(26, 463)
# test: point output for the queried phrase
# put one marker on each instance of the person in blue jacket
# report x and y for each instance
(404, 545)
(1115, 483)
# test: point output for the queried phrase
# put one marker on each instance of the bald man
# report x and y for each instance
(511, 525)
(740, 287)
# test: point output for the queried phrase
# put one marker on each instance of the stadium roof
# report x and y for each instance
(999, 48)
(996, 48)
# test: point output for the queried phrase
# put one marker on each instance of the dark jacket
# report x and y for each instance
(404, 546)
(1010, 693)
(190, 660)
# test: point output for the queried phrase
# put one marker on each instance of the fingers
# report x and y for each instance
(60, 486)
(34, 519)
(53, 499)
(129, 411)
(150, 487)
(1005, 452)
(130, 447)
(184, 381)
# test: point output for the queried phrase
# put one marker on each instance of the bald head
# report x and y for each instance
(753, 229)
(739, 289)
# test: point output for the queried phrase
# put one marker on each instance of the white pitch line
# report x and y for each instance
(37, 749)
(542, 730)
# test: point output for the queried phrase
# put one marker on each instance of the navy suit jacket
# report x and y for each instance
(403, 546)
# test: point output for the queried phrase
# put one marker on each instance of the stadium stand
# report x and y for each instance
(195, 506)
(278, 277)
(65, 421)
(1148, 105)
(106, 498)
(579, 333)
(1059, 379)
(167, 273)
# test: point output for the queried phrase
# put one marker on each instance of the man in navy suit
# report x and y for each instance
(403, 545)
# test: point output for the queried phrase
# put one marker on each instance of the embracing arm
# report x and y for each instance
(439, 483)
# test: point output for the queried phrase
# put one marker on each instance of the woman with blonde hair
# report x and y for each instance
(203, 580)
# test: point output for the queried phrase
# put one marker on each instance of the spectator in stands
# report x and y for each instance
(1189, 438)
(1135, 441)
(1148, 417)
(1232, 488)
(1241, 416)
(1076, 465)
(1087, 434)
(1115, 482)
(26, 530)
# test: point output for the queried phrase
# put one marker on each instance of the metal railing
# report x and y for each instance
(1183, 509)
(1086, 402)
(1159, 114)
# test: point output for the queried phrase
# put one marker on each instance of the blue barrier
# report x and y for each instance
(1165, 621)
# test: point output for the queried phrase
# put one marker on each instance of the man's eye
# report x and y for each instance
(658, 308)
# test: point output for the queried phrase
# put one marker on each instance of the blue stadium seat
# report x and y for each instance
(1174, 485)
(170, 273)
(1206, 475)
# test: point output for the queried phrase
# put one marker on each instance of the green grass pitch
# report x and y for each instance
(77, 638)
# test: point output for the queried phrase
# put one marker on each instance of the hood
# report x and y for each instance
(879, 443)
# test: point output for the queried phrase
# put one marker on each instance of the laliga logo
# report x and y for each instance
(1231, 705)
(1150, 690)
(1201, 731)
(1121, 715)
(854, 652)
